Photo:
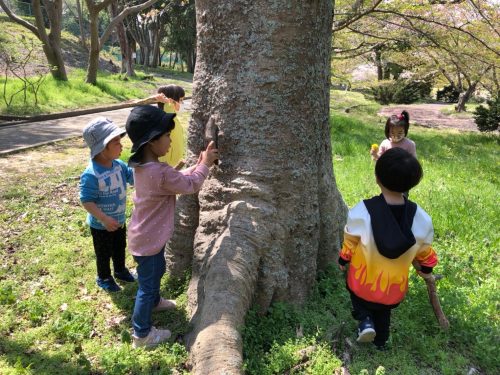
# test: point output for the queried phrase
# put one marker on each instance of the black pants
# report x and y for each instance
(380, 314)
(109, 245)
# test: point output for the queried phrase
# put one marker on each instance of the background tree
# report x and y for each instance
(270, 215)
(453, 39)
(147, 30)
(74, 20)
(457, 39)
(81, 22)
(96, 42)
(51, 41)
(181, 32)
(126, 52)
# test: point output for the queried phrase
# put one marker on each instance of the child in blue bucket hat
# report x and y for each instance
(103, 193)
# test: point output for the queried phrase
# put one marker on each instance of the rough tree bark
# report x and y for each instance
(270, 215)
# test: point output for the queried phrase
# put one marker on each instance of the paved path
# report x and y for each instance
(22, 136)
(19, 137)
(430, 115)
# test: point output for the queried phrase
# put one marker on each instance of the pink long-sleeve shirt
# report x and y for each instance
(152, 222)
(406, 144)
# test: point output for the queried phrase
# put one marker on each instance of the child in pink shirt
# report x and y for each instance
(152, 222)
(396, 132)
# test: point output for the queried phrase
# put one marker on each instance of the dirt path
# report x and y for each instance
(430, 115)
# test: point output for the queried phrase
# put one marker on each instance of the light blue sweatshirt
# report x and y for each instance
(107, 188)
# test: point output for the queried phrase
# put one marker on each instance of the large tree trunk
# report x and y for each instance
(52, 41)
(270, 214)
(55, 61)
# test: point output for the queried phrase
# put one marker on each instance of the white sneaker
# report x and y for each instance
(154, 338)
(165, 304)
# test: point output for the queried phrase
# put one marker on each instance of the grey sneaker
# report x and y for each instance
(165, 304)
(154, 338)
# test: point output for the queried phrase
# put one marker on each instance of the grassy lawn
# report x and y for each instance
(55, 320)
(471, 108)
(56, 96)
(459, 191)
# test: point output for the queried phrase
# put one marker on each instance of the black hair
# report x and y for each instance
(174, 92)
(402, 120)
(398, 170)
(135, 159)
(180, 92)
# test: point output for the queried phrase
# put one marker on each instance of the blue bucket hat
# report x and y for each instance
(98, 133)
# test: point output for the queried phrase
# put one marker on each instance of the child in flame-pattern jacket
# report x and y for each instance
(382, 237)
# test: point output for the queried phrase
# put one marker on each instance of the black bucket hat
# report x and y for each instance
(146, 122)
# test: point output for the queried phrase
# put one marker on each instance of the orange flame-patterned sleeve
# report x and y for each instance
(426, 256)
(350, 243)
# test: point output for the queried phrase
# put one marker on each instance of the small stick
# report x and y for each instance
(434, 299)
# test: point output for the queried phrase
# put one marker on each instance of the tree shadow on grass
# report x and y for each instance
(175, 320)
(22, 355)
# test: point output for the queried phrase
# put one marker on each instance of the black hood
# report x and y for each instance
(392, 238)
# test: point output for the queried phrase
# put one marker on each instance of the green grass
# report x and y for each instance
(450, 110)
(459, 191)
(354, 102)
(55, 320)
(56, 96)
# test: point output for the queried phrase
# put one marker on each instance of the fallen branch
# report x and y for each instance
(434, 299)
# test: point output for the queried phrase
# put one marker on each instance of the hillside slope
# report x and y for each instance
(17, 41)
